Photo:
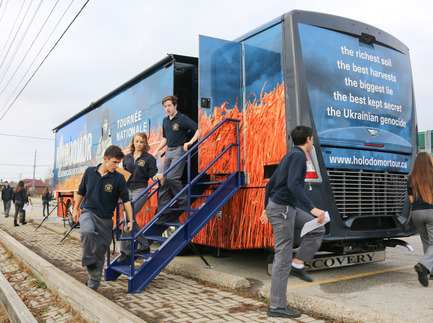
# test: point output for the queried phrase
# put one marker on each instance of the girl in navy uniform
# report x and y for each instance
(142, 167)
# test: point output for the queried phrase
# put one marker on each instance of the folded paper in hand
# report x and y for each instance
(313, 224)
(27, 207)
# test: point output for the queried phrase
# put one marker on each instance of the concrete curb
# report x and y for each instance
(15, 307)
(93, 306)
(209, 275)
(332, 309)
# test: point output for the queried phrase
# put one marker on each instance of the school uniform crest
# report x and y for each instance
(108, 188)
(141, 162)
(176, 126)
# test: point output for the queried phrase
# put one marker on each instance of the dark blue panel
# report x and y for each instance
(220, 72)
(365, 159)
(353, 85)
(263, 62)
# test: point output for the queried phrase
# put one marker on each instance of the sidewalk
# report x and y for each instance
(169, 298)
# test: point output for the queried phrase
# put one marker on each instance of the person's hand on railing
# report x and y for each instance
(157, 177)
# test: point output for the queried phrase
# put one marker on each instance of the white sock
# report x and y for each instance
(298, 266)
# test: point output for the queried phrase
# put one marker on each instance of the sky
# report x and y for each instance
(111, 41)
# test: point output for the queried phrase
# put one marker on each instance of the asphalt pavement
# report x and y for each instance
(386, 291)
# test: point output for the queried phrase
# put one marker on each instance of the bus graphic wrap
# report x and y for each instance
(360, 95)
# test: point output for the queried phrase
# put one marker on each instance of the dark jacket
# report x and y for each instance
(21, 196)
(7, 193)
(46, 197)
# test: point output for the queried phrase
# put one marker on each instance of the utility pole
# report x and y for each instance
(34, 172)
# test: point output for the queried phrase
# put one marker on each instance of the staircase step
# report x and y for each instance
(156, 238)
(171, 224)
(210, 183)
(123, 269)
(183, 210)
(199, 196)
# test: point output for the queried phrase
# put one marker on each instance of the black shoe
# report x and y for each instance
(422, 274)
(167, 217)
(302, 274)
(24, 222)
(141, 251)
(124, 258)
(16, 225)
(283, 312)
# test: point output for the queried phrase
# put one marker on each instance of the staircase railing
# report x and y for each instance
(187, 188)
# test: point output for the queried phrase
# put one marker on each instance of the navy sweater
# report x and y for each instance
(286, 186)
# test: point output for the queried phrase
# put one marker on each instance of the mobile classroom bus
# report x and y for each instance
(349, 81)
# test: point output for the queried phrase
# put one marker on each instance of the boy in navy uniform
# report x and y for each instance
(102, 187)
(284, 191)
(175, 128)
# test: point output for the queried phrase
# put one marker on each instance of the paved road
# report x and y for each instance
(389, 287)
(169, 298)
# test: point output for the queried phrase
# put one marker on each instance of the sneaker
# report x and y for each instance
(24, 222)
(94, 272)
(422, 274)
(283, 312)
(124, 258)
(302, 274)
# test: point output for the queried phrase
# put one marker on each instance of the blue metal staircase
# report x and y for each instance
(197, 218)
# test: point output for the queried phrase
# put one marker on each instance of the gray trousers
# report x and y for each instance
(423, 220)
(172, 183)
(96, 236)
(284, 220)
(142, 243)
(7, 205)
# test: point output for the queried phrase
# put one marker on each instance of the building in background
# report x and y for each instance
(425, 141)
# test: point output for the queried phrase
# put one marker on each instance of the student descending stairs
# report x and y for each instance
(197, 218)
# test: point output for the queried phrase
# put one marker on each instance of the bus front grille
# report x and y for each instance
(367, 193)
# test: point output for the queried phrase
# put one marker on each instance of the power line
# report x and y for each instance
(31, 77)
(40, 30)
(31, 137)
(10, 34)
(20, 42)
(16, 33)
(25, 165)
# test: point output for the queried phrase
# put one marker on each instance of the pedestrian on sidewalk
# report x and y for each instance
(23, 211)
(142, 167)
(175, 130)
(420, 192)
(7, 193)
(19, 198)
(284, 191)
(102, 187)
(46, 198)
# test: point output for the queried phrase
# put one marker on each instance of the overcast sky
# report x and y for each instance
(111, 41)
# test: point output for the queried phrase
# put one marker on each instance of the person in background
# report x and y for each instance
(19, 198)
(46, 198)
(97, 196)
(23, 211)
(175, 129)
(284, 191)
(142, 167)
(7, 193)
(420, 192)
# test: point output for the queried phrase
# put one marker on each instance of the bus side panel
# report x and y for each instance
(262, 135)
(81, 143)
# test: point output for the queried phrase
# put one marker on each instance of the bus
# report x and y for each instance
(349, 81)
